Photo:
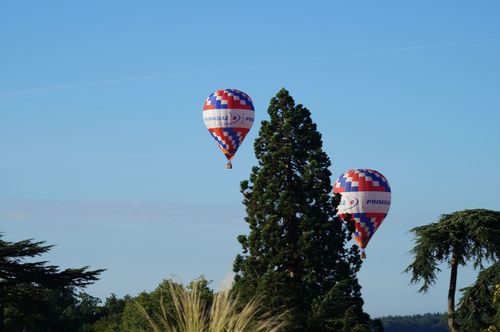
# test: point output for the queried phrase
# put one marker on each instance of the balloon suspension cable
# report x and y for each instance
(229, 165)
(363, 255)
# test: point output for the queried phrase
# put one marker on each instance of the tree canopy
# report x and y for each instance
(469, 236)
(295, 255)
(24, 283)
(479, 306)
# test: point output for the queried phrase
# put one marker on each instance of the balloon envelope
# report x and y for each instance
(366, 196)
(228, 115)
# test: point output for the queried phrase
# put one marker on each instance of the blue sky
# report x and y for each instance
(104, 151)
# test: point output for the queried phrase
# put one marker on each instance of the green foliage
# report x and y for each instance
(295, 256)
(34, 294)
(174, 307)
(54, 310)
(193, 314)
(479, 308)
(415, 323)
(468, 235)
(111, 315)
(495, 321)
(16, 270)
(133, 319)
(458, 238)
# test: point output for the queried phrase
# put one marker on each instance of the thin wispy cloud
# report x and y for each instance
(79, 85)
(50, 88)
(420, 47)
(116, 214)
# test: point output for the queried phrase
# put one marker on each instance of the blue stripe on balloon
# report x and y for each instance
(218, 141)
(231, 133)
(367, 220)
(380, 180)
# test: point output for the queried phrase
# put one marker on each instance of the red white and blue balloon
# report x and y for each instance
(228, 115)
(366, 196)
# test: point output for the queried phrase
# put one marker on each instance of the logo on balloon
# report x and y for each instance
(349, 202)
(234, 118)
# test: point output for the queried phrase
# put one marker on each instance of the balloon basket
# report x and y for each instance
(363, 255)
(229, 165)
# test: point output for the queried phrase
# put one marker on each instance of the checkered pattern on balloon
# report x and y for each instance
(228, 115)
(366, 196)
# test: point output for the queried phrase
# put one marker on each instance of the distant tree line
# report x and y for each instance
(416, 323)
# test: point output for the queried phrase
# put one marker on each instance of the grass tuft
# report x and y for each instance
(191, 314)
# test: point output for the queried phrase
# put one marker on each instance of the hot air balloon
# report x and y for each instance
(228, 115)
(366, 196)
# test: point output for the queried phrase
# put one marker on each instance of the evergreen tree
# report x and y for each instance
(479, 306)
(295, 255)
(457, 238)
(23, 282)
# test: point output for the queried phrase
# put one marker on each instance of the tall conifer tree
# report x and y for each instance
(295, 256)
